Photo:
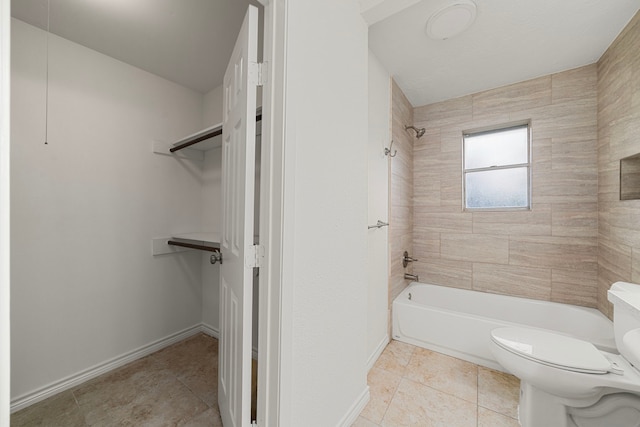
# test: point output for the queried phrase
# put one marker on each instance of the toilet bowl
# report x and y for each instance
(567, 382)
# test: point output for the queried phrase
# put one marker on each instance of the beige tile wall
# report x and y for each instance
(618, 137)
(401, 207)
(547, 253)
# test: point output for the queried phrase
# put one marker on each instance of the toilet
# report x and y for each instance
(567, 382)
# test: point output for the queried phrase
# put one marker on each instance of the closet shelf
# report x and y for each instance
(203, 135)
(201, 141)
(201, 241)
(203, 237)
(197, 143)
(193, 246)
(206, 241)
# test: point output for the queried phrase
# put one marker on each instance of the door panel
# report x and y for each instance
(238, 163)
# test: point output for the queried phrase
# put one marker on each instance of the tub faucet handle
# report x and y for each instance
(406, 259)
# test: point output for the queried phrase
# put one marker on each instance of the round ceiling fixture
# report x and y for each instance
(451, 20)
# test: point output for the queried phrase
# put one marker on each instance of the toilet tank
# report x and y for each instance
(625, 298)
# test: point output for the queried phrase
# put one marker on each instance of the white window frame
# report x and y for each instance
(496, 129)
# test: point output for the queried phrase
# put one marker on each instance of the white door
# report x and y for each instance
(238, 163)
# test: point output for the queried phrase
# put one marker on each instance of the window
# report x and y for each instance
(497, 166)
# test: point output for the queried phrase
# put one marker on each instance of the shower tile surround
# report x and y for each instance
(618, 137)
(578, 238)
(549, 252)
(401, 175)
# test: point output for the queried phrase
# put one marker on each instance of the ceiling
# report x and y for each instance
(510, 41)
(188, 41)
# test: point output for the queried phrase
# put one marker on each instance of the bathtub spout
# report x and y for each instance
(412, 277)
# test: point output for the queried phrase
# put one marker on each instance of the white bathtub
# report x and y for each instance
(457, 322)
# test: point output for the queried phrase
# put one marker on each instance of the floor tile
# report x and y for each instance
(382, 386)
(197, 368)
(488, 418)
(498, 391)
(415, 404)
(444, 373)
(159, 399)
(209, 418)
(60, 410)
(186, 350)
(176, 386)
(395, 357)
(122, 385)
(363, 422)
(433, 389)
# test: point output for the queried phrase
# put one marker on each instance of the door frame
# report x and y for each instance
(271, 331)
(271, 327)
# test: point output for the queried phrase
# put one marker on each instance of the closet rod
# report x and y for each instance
(193, 246)
(195, 141)
(203, 137)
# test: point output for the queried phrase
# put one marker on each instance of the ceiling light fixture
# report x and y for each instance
(451, 20)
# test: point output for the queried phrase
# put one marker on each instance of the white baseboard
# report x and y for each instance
(352, 415)
(210, 330)
(377, 352)
(71, 381)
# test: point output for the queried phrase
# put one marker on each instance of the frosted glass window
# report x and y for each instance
(497, 148)
(497, 168)
(500, 188)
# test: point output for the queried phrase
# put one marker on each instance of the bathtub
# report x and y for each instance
(458, 322)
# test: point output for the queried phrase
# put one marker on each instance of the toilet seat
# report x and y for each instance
(553, 350)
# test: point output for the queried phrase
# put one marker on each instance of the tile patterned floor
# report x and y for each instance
(411, 386)
(176, 386)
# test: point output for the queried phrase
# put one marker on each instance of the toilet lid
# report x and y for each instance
(552, 349)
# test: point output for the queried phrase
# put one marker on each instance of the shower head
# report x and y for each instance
(419, 132)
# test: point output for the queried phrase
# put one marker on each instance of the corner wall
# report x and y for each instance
(618, 136)
(547, 253)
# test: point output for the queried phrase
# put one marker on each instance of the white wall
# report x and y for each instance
(324, 314)
(212, 107)
(211, 196)
(211, 210)
(378, 241)
(85, 287)
(5, 343)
